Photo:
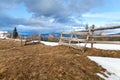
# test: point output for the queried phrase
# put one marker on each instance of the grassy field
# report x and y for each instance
(40, 62)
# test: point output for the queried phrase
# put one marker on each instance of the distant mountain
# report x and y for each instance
(53, 34)
(118, 33)
(50, 37)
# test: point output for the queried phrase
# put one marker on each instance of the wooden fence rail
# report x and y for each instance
(93, 36)
(90, 36)
(33, 39)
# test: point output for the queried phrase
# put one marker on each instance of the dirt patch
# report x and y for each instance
(40, 62)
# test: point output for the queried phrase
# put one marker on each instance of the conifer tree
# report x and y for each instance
(15, 33)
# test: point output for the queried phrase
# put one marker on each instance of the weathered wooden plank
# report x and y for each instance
(73, 39)
(65, 38)
(106, 28)
(101, 28)
(77, 33)
(106, 42)
(107, 36)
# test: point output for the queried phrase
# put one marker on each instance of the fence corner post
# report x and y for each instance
(92, 40)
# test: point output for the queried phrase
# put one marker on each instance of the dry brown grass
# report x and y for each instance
(40, 62)
(103, 53)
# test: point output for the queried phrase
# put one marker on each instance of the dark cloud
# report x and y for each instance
(8, 4)
(48, 15)
(61, 10)
(28, 25)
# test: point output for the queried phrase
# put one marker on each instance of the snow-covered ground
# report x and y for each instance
(112, 65)
(99, 46)
(4, 34)
(49, 43)
(104, 46)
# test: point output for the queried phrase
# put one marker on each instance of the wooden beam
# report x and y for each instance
(105, 36)
(101, 28)
(73, 39)
(106, 42)
(106, 28)
(77, 33)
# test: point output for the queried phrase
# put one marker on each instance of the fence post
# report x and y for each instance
(39, 37)
(92, 40)
(70, 38)
(60, 40)
(21, 40)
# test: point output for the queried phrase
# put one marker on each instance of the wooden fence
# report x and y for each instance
(72, 38)
(33, 39)
(93, 36)
(89, 37)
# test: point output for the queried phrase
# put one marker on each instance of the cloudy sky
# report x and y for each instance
(43, 16)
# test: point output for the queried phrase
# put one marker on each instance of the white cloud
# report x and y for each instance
(49, 15)
(102, 19)
(105, 15)
(61, 10)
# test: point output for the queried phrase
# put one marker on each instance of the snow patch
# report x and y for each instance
(105, 46)
(112, 65)
(49, 43)
(98, 46)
